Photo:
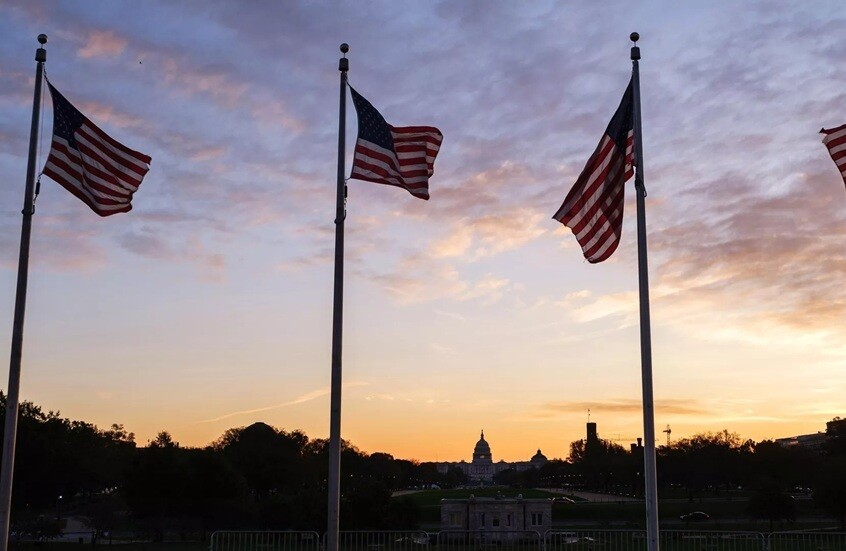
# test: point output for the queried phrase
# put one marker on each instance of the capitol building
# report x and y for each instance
(482, 468)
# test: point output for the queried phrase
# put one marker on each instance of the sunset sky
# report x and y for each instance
(209, 306)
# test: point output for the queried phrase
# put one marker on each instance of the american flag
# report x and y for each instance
(402, 156)
(594, 207)
(87, 162)
(835, 141)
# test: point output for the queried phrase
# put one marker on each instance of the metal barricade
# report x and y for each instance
(670, 540)
(607, 540)
(394, 540)
(265, 541)
(528, 540)
(698, 540)
(487, 540)
(807, 541)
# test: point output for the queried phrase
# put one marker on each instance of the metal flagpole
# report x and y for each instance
(645, 330)
(334, 481)
(12, 398)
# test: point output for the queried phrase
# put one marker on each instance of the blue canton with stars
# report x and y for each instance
(623, 120)
(372, 126)
(66, 118)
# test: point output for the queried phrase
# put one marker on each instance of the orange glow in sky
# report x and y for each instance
(209, 306)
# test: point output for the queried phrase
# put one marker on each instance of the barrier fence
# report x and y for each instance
(612, 540)
(529, 540)
(484, 540)
(802, 541)
(686, 540)
(266, 541)
(402, 540)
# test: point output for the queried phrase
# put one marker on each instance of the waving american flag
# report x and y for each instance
(594, 207)
(97, 169)
(402, 156)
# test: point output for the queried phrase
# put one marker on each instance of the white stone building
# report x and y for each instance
(497, 515)
(482, 467)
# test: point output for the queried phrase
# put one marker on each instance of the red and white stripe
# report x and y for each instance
(408, 167)
(594, 207)
(835, 141)
(100, 171)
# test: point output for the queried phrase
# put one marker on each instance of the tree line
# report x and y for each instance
(709, 465)
(255, 477)
(261, 477)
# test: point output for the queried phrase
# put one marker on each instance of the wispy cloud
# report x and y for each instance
(675, 407)
(150, 241)
(307, 397)
(442, 349)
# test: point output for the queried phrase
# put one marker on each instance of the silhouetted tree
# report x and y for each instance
(770, 501)
(269, 459)
(454, 477)
(830, 489)
(154, 487)
(60, 457)
(788, 467)
(835, 432)
(601, 464)
(708, 461)
(164, 440)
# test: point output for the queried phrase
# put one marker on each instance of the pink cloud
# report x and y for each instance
(151, 243)
(102, 44)
(208, 153)
(275, 113)
(106, 116)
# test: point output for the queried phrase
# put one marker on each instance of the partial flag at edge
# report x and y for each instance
(835, 142)
(402, 156)
(100, 171)
(593, 209)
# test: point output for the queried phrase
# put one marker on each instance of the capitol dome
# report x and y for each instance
(538, 459)
(482, 451)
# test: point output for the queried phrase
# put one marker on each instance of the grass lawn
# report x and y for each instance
(728, 513)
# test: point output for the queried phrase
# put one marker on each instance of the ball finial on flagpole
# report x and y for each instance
(344, 63)
(635, 50)
(41, 53)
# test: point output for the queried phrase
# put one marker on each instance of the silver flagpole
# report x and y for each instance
(651, 478)
(337, 324)
(13, 397)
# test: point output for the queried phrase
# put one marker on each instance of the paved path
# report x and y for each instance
(594, 497)
(587, 496)
(404, 492)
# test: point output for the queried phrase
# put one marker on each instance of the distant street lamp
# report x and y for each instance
(59, 508)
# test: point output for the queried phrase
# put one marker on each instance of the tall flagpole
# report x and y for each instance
(13, 396)
(651, 479)
(337, 322)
